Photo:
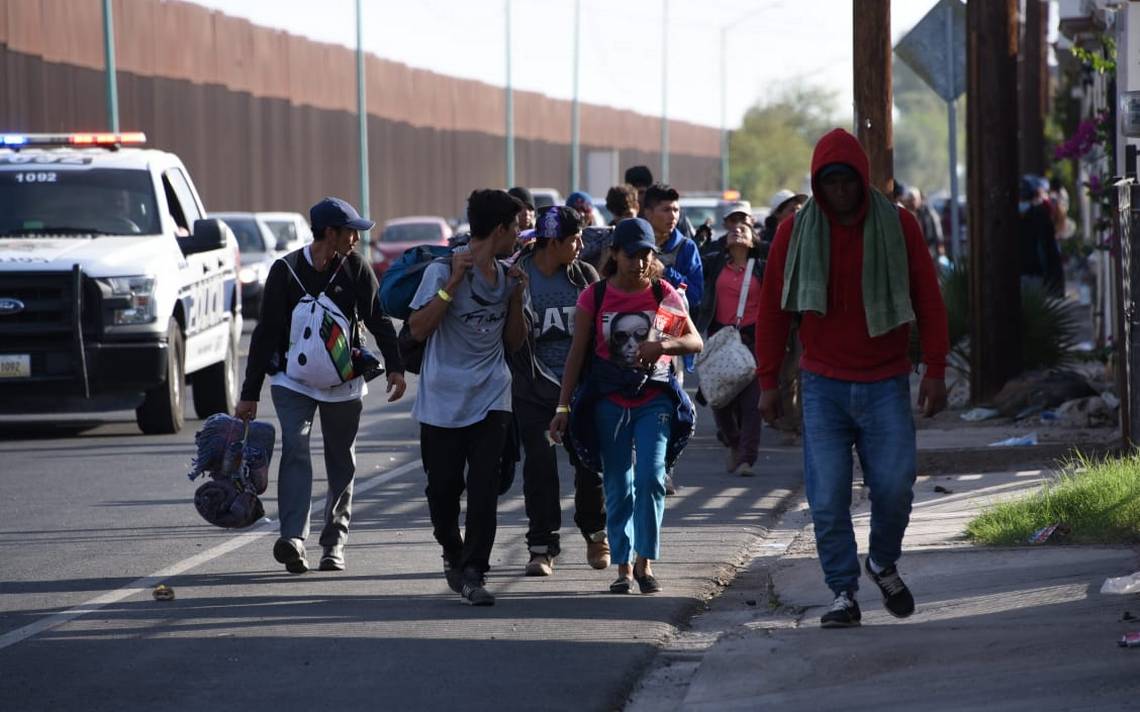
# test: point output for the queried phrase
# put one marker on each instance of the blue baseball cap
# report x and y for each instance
(334, 212)
(579, 196)
(633, 235)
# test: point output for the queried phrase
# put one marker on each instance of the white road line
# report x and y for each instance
(263, 529)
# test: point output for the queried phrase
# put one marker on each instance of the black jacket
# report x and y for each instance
(353, 290)
(1040, 255)
(716, 260)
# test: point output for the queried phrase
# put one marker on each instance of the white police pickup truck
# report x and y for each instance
(114, 291)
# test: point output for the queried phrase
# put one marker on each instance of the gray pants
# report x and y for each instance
(339, 422)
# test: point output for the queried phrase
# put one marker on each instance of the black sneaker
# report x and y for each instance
(453, 575)
(474, 594)
(896, 596)
(332, 559)
(844, 613)
(291, 552)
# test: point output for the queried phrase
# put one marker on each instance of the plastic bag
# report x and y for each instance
(1122, 584)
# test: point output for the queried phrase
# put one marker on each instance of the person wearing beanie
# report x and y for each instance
(526, 217)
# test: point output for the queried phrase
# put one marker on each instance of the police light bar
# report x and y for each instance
(72, 139)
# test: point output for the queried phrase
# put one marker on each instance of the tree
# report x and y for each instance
(773, 146)
(922, 134)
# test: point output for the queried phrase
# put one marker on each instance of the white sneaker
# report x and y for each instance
(744, 469)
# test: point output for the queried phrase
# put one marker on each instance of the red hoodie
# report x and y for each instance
(837, 345)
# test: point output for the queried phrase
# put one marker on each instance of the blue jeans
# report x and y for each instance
(875, 419)
(635, 492)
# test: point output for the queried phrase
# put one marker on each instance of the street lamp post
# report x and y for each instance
(665, 91)
(510, 128)
(362, 126)
(109, 57)
(575, 111)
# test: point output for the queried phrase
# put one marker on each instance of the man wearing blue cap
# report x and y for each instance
(584, 204)
(330, 275)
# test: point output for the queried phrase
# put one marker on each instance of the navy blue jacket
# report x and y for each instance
(605, 378)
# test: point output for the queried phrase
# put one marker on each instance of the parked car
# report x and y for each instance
(291, 230)
(258, 248)
(545, 197)
(401, 234)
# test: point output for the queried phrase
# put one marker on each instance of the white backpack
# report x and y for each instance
(320, 346)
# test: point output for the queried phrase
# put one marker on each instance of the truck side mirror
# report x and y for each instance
(208, 235)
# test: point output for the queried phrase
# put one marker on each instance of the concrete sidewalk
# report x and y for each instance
(1015, 628)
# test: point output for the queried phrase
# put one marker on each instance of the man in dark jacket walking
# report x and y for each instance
(329, 265)
(856, 268)
(556, 277)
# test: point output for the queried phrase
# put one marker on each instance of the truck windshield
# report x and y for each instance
(41, 199)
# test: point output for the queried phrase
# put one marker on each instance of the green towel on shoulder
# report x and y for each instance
(886, 268)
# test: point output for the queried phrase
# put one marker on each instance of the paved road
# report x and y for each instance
(93, 514)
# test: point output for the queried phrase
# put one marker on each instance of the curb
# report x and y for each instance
(664, 681)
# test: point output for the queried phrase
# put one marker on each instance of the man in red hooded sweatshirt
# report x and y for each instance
(856, 269)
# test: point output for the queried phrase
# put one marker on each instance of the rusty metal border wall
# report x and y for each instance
(259, 138)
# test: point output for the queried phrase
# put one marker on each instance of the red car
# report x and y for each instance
(401, 234)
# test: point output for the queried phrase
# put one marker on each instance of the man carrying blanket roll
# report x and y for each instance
(856, 270)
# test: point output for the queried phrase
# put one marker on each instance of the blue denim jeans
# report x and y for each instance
(635, 491)
(875, 419)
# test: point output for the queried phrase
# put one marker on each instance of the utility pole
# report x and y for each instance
(955, 238)
(1031, 88)
(991, 127)
(664, 91)
(575, 112)
(873, 90)
(362, 126)
(109, 60)
(510, 128)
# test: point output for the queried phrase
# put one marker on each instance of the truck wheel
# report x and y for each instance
(161, 410)
(216, 387)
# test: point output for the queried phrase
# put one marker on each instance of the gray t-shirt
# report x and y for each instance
(552, 299)
(464, 374)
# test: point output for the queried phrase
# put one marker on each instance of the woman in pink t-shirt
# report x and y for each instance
(632, 323)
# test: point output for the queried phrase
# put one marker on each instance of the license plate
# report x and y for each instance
(15, 366)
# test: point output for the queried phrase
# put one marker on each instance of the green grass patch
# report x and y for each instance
(1099, 500)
